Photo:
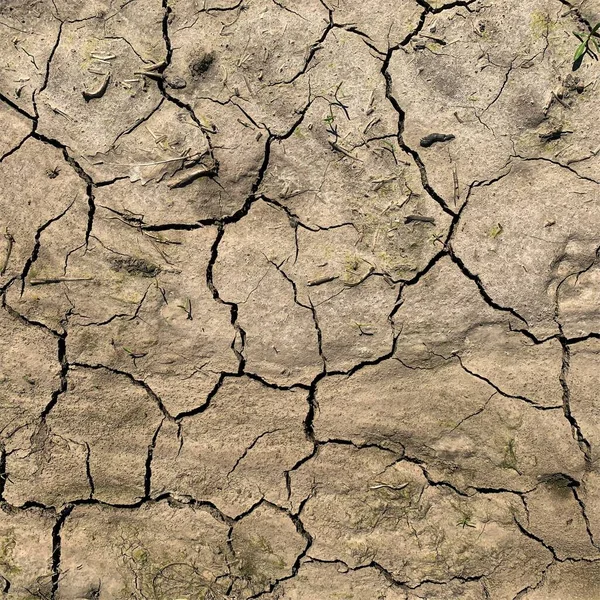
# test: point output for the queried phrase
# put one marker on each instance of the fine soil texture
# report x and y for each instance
(299, 300)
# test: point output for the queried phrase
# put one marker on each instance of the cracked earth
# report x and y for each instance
(299, 300)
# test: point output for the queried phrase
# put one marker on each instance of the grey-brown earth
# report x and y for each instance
(299, 300)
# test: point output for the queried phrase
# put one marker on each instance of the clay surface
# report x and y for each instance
(299, 300)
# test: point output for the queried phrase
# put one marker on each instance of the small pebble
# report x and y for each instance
(176, 83)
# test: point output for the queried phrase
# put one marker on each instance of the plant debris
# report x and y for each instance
(435, 138)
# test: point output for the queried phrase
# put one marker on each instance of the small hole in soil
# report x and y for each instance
(202, 65)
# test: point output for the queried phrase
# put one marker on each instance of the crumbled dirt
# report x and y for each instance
(299, 300)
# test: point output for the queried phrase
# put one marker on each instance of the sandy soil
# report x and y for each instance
(300, 300)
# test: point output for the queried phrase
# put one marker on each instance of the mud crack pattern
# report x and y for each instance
(299, 300)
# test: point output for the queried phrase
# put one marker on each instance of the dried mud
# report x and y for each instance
(299, 300)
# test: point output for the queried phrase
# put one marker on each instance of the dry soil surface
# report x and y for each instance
(300, 300)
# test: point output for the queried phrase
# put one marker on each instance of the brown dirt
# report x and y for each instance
(299, 300)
